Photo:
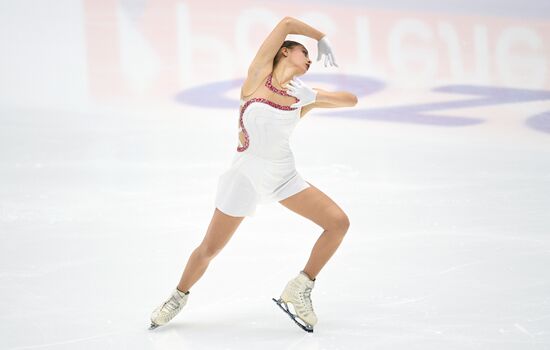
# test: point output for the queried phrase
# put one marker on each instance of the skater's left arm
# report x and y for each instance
(309, 98)
(331, 99)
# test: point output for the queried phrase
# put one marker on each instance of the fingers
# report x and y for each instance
(332, 61)
(295, 83)
(328, 60)
(299, 81)
(324, 52)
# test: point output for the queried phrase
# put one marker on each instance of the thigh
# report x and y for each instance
(220, 230)
(316, 206)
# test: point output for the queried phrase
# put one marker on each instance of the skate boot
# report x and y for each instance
(298, 293)
(170, 308)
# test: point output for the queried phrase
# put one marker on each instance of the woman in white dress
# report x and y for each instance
(273, 100)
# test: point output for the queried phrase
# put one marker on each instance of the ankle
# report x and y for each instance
(181, 291)
(308, 275)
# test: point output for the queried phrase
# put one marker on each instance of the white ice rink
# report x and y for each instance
(117, 118)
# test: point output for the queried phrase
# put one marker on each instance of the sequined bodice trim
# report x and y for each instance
(273, 88)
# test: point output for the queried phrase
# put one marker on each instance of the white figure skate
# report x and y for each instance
(298, 293)
(169, 309)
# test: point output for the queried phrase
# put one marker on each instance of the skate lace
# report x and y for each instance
(171, 305)
(307, 298)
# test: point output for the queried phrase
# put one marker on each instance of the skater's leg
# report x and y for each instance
(319, 208)
(220, 230)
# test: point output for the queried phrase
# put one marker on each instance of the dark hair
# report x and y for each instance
(288, 44)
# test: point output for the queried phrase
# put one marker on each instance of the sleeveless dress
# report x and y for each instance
(263, 168)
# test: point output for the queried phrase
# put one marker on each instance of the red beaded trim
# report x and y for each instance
(273, 88)
(243, 108)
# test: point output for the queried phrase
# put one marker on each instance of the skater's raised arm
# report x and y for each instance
(263, 61)
(262, 64)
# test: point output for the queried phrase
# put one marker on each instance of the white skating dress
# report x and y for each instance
(263, 169)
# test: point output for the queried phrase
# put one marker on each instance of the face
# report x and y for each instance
(299, 56)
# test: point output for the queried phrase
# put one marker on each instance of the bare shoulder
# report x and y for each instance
(262, 64)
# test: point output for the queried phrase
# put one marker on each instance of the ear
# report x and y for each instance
(284, 51)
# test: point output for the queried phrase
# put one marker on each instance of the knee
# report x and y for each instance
(340, 223)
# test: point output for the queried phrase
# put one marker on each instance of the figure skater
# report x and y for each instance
(273, 100)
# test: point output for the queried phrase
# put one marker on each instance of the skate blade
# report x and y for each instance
(306, 327)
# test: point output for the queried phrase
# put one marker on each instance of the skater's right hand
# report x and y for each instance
(302, 92)
(325, 51)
